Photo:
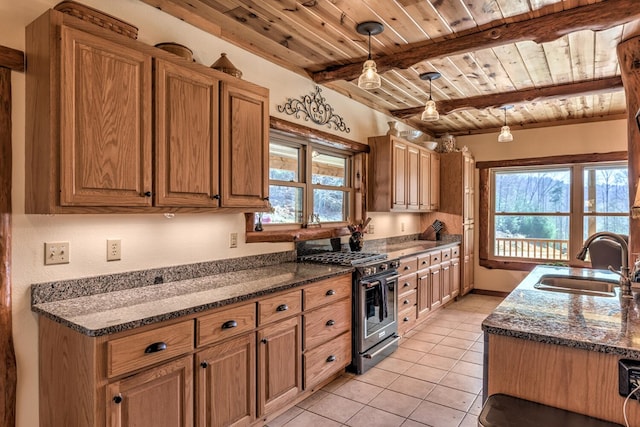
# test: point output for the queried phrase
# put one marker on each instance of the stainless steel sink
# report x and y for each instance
(576, 285)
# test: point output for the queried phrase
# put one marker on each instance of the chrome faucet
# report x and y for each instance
(625, 278)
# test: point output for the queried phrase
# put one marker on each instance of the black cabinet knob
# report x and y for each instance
(229, 324)
(331, 292)
(331, 358)
(266, 198)
(282, 307)
(406, 284)
(264, 340)
(216, 197)
(406, 319)
(406, 301)
(406, 267)
(204, 364)
(156, 347)
(147, 194)
(117, 398)
(331, 322)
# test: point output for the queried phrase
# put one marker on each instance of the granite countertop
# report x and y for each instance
(596, 323)
(414, 247)
(116, 311)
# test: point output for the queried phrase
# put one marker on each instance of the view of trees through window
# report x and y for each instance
(532, 208)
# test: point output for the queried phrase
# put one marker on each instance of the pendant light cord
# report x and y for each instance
(430, 89)
(369, 32)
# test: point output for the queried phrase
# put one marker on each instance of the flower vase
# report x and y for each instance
(356, 241)
(393, 129)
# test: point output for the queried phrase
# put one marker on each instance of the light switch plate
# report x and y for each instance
(233, 240)
(56, 253)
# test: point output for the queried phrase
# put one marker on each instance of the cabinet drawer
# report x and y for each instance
(323, 324)
(136, 351)
(279, 307)
(326, 360)
(225, 323)
(407, 300)
(407, 283)
(406, 320)
(424, 261)
(408, 265)
(435, 257)
(455, 252)
(446, 255)
(327, 291)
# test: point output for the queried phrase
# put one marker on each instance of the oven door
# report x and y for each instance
(378, 309)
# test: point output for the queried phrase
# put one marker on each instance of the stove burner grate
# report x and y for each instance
(343, 258)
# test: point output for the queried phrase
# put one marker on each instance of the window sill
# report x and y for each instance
(524, 265)
(296, 235)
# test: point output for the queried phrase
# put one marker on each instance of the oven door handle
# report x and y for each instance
(375, 353)
(394, 277)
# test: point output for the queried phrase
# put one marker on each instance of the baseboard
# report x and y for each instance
(501, 294)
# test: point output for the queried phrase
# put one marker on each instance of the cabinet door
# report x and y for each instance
(469, 192)
(425, 181)
(158, 397)
(244, 146)
(279, 365)
(225, 383)
(186, 124)
(455, 277)
(434, 192)
(467, 277)
(435, 286)
(399, 175)
(105, 117)
(446, 283)
(413, 178)
(424, 291)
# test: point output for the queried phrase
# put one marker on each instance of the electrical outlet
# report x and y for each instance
(56, 253)
(233, 240)
(114, 250)
(371, 229)
(629, 377)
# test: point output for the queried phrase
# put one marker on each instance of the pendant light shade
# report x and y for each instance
(430, 113)
(369, 79)
(505, 131)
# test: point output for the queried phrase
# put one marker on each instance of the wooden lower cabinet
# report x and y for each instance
(279, 365)
(158, 397)
(226, 383)
(445, 285)
(455, 277)
(424, 292)
(235, 366)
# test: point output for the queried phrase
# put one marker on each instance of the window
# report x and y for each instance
(308, 183)
(543, 213)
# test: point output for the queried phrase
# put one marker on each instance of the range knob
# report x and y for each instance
(383, 266)
(394, 264)
(368, 271)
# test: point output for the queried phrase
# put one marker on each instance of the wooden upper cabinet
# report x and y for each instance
(186, 108)
(244, 145)
(401, 176)
(93, 146)
(434, 182)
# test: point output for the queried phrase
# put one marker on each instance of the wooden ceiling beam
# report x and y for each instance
(546, 28)
(12, 59)
(497, 100)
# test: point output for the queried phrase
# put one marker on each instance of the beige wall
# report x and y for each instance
(596, 137)
(147, 240)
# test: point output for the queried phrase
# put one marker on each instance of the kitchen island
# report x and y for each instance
(562, 349)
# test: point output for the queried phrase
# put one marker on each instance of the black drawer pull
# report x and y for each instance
(406, 319)
(215, 197)
(264, 340)
(229, 324)
(331, 292)
(406, 301)
(424, 262)
(156, 347)
(282, 307)
(331, 358)
(331, 322)
(147, 194)
(406, 284)
(406, 267)
(117, 398)
(204, 364)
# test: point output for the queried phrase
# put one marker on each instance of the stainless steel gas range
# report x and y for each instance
(375, 309)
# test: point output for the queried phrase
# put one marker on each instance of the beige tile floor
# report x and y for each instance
(433, 379)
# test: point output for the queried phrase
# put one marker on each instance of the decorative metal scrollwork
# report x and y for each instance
(314, 108)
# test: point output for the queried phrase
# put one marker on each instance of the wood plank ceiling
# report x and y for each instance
(540, 55)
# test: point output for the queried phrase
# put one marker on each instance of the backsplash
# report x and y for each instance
(74, 288)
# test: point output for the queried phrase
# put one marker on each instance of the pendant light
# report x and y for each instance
(505, 132)
(369, 79)
(430, 113)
